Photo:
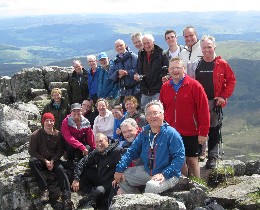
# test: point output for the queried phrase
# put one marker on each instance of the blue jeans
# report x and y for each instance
(145, 99)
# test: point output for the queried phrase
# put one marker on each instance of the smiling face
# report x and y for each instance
(148, 45)
(176, 70)
(130, 107)
(137, 42)
(102, 108)
(92, 63)
(101, 142)
(48, 125)
(154, 116)
(117, 113)
(190, 36)
(208, 50)
(86, 106)
(120, 47)
(103, 62)
(76, 114)
(77, 67)
(56, 97)
(129, 132)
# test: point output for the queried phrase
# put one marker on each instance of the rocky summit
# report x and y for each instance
(235, 185)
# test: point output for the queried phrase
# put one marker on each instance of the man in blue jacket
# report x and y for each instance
(161, 149)
(122, 71)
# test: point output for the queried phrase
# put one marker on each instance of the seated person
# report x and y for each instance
(118, 114)
(104, 122)
(77, 133)
(46, 149)
(88, 111)
(161, 149)
(131, 105)
(94, 173)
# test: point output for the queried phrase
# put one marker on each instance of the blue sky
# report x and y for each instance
(9, 8)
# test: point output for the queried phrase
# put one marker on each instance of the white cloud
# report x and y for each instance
(41, 7)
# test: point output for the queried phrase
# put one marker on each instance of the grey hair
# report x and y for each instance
(149, 37)
(136, 35)
(208, 37)
(91, 56)
(120, 40)
(154, 102)
(76, 61)
(129, 121)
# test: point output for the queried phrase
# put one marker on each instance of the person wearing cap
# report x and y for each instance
(46, 149)
(93, 73)
(77, 132)
(107, 88)
(78, 84)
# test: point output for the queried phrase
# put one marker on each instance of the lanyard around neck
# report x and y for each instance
(153, 140)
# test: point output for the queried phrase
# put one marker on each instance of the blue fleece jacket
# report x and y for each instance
(169, 153)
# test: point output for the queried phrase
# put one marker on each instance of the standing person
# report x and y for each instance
(104, 122)
(78, 84)
(78, 134)
(94, 173)
(93, 74)
(219, 81)
(174, 49)
(122, 70)
(161, 149)
(186, 109)
(58, 106)
(107, 88)
(137, 41)
(46, 149)
(88, 111)
(192, 50)
(149, 71)
(131, 105)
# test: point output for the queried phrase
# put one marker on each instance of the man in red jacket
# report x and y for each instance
(186, 109)
(219, 81)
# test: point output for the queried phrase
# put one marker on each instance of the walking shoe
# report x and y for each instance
(45, 196)
(211, 163)
(87, 200)
(68, 204)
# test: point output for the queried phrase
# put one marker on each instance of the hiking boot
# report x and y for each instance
(85, 201)
(68, 204)
(45, 196)
(211, 163)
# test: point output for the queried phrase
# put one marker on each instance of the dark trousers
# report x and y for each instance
(213, 142)
(99, 192)
(37, 167)
(73, 153)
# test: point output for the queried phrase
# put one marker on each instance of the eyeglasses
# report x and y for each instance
(175, 68)
(153, 114)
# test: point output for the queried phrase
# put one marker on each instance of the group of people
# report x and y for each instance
(136, 120)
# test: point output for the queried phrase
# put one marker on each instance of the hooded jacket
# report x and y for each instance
(169, 152)
(78, 137)
(105, 163)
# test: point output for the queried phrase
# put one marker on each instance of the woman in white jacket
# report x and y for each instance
(104, 122)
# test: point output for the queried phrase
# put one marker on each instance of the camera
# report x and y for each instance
(150, 163)
(164, 70)
(140, 77)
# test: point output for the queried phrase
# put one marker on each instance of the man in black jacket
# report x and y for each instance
(94, 173)
(78, 84)
(150, 71)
